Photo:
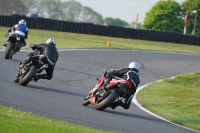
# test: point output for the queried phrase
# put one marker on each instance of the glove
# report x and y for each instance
(31, 54)
(36, 78)
(9, 30)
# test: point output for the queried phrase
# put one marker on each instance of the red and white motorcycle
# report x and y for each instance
(102, 98)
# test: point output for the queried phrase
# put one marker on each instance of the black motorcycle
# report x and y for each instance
(12, 45)
(37, 63)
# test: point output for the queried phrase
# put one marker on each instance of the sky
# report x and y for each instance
(124, 9)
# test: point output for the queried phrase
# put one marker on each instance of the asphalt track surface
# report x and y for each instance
(75, 75)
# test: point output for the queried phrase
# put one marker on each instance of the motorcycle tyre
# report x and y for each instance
(8, 50)
(28, 77)
(85, 102)
(107, 101)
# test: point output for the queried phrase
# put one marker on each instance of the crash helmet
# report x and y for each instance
(51, 41)
(22, 22)
(134, 65)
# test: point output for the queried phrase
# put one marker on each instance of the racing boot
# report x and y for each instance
(42, 76)
(37, 77)
(126, 102)
(5, 45)
(21, 45)
(18, 48)
(115, 104)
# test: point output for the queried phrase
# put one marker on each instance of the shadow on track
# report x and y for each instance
(16, 60)
(55, 90)
(134, 116)
(129, 115)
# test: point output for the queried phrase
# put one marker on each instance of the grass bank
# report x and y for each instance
(71, 40)
(14, 121)
(177, 100)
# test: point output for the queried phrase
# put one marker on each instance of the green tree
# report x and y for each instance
(164, 16)
(190, 6)
(32, 5)
(50, 9)
(74, 11)
(115, 22)
(71, 10)
(139, 25)
(63, 10)
(90, 16)
(8, 7)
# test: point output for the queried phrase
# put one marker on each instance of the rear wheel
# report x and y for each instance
(28, 77)
(107, 101)
(8, 51)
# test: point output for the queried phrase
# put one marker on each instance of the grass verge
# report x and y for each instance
(14, 121)
(177, 100)
(67, 40)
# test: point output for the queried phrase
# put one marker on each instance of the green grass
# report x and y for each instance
(173, 99)
(70, 41)
(14, 121)
(177, 100)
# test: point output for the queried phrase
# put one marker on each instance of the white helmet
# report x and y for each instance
(51, 41)
(22, 22)
(134, 65)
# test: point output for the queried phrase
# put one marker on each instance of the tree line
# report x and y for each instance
(169, 15)
(165, 15)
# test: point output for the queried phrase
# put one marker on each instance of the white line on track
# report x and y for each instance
(144, 109)
(110, 50)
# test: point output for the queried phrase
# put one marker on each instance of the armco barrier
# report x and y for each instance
(92, 29)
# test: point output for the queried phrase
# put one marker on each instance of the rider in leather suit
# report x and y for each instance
(21, 30)
(48, 49)
(131, 74)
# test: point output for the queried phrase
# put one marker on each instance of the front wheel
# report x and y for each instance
(29, 76)
(86, 101)
(107, 101)
(8, 51)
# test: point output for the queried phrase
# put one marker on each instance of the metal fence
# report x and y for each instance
(92, 29)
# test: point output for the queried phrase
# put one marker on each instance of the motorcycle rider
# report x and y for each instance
(49, 49)
(21, 30)
(129, 73)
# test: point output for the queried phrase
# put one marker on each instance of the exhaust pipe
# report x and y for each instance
(43, 67)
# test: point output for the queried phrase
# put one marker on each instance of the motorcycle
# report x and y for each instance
(102, 98)
(38, 62)
(12, 45)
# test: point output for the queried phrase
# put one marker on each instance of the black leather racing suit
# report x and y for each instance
(52, 53)
(132, 76)
(128, 74)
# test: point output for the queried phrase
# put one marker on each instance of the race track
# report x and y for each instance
(75, 75)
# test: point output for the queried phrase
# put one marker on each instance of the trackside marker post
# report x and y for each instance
(108, 43)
